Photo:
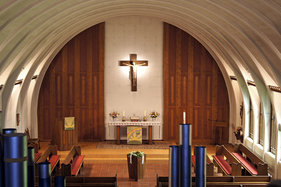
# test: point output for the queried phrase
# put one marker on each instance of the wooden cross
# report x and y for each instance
(133, 63)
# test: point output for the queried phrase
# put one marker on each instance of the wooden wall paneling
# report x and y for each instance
(202, 93)
(90, 87)
(76, 86)
(191, 84)
(166, 83)
(101, 128)
(214, 100)
(77, 91)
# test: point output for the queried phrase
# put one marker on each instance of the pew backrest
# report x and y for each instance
(230, 165)
(51, 150)
(51, 156)
(252, 163)
(73, 162)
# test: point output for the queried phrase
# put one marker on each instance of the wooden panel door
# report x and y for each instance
(74, 86)
(192, 83)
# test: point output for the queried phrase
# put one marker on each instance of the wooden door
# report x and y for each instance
(193, 83)
(74, 86)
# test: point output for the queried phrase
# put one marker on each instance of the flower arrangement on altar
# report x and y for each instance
(154, 114)
(114, 114)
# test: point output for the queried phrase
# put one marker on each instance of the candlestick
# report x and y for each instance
(184, 121)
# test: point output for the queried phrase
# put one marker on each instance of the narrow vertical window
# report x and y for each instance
(273, 131)
(261, 125)
(251, 129)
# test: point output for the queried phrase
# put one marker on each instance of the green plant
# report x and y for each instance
(137, 153)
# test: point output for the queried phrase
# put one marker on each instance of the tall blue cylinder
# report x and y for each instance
(9, 130)
(186, 164)
(174, 166)
(30, 167)
(44, 169)
(60, 181)
(15, 160)
(200, 154)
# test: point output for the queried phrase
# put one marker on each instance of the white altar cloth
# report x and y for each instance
(129, 123)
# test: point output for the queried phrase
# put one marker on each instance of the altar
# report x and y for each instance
(148, 124)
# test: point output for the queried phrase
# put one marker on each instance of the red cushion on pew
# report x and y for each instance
(76, 164)
(37, 156)
(54, 160)
(225, 165)
(193, 160)
(246, 163)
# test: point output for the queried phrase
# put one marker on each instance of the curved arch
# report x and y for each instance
(243, 37)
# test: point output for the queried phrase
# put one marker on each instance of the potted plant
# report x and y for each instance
(136, 164)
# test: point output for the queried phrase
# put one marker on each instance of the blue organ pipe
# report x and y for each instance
(44, 169)
(9, 130)
(60, 181)
(30, 167)
(200, 154)
(15, 160)
(185, 169)
(173, 166)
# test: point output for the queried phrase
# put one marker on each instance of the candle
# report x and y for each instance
(123, 113)
(144, 112)
(184, 121)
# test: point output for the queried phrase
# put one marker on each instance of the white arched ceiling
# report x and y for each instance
(242, 36)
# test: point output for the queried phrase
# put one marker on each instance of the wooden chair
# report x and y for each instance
(209, 165)
(51, 156)
(250, 162)
(73, 162)
(226, 162)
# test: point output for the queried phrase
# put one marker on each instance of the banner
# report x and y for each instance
(134, 135)
(69, 123)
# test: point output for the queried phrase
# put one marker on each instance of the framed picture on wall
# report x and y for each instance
(69, 123)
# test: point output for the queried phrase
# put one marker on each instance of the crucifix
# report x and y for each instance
(133, 63)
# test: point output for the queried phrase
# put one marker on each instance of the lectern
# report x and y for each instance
(62, 137)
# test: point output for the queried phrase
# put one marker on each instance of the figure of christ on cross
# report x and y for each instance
(133, 63)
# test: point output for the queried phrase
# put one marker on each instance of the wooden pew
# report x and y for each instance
(87, 181)
(228, 166)
(224, 181)
(51, 156)
(252, 164)
(91, 181)
(73, 162)
(34, 142)
(209, 166)
(37, 156)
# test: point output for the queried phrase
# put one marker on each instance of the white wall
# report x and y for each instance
(125, 36)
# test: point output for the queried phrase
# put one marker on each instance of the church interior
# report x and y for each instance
(96, 80)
